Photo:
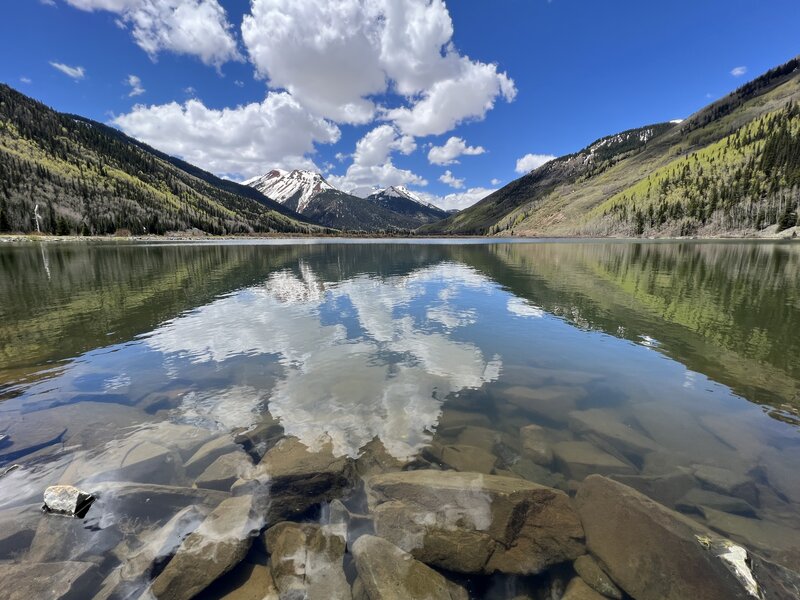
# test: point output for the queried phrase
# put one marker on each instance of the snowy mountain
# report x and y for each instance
(310, 195)
(294, 189)
(401, 200)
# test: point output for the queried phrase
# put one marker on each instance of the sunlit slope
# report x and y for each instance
(574, 195)
(91, 179)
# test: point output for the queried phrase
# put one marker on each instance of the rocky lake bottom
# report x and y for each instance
(552, 421)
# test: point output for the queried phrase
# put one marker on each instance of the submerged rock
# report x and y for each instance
(591, 574)
(48, 581)
(386, 572)
(306, 561)
(578, 589)
(728, 482)
(463, 458)
(225, 470)
(299, 478)
(67, 500)
(208, 453)
(536, 445)
(650, 551)
(581, 459)
(214, 548)
(474, 523)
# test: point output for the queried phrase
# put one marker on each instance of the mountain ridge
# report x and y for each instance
(87, 178)
(558, 198)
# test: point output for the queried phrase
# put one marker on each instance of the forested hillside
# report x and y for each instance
(89, 179)
(748, 180)
(731, 168)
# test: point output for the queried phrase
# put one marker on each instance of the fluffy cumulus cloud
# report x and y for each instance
(334, 57)
(738, 71)
(529, 162)
(195, 27)
(451, 150)
(451, 180)
(77, 73)
(243, 141)
(372, 164)
(458, 200)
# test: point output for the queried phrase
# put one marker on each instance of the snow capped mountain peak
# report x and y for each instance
(297, 187)
(401, 191)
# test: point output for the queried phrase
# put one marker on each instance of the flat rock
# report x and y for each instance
(214, 548)
(552, 403)
(578, 589)
(306, 561)
(299, 479)
(48, 581)
(727, 482)
(452, 417)
(593, 576)
(536, 444)
(608, 427)
(225, 470)
(247, 581)
(17, 529)
(650, 551)
(475, 523)
(581, 459)
(667, 489)
(463, 458)
(208, 453)
(695, 500)
(386, 572)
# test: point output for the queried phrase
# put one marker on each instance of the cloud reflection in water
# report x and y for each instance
(388, 380)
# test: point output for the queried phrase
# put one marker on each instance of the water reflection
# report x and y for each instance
(167, 379)
(362, 358)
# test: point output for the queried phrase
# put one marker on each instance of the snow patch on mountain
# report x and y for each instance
(282, 186)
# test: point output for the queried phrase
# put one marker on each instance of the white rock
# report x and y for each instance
(66, 500)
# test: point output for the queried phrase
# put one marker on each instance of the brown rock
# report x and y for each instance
(385, 572)
(48, 581)
(591, 574)
(579, 590)
(474, 523)
(651, 552)
(536, 445)
(213, 549)
(299, 479)
(581, 459)
(306, 561)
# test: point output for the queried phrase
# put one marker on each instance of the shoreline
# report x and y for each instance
(22, 238)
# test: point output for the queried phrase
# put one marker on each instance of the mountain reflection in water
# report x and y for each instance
(161, 377)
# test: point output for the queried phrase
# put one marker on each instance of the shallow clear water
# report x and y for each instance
(118, 361)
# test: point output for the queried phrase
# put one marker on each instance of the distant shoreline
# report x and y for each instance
(787, 235)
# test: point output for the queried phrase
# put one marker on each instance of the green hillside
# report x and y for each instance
(90, 179)
(730, 168)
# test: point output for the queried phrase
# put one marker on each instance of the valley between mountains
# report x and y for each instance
(731, 169)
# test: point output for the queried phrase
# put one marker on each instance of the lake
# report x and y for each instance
(169, 378)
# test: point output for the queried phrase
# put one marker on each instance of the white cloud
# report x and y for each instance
(495, 181)
(76, 73)
(452, 149)
(529, 162)
(372, 164)
(451, 180)
(244, 141)
(25, 80)
(334, 57)
(457, 200)
(447, 103)
(195, 27)
(136, 86)
(738, 71)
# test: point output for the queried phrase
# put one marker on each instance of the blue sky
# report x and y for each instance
(371, 91)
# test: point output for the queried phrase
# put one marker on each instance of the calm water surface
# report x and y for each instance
(118, 361)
